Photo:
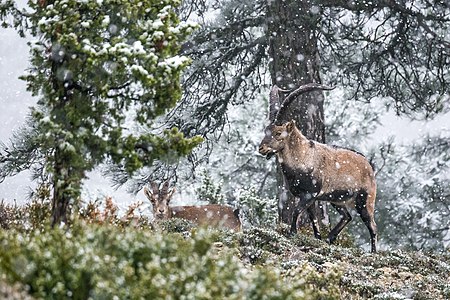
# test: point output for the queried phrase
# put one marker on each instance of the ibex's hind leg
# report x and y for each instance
(367, 215)
(346, 218)
(314, 221)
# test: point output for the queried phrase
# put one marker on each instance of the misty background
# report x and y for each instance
(15, 102)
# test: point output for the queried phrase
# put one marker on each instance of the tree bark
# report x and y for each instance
(66, 178)
(293, 49)
(61, 199)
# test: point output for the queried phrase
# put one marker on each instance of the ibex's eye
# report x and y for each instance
(280, 134)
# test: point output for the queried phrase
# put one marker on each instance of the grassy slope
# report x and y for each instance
(253, 263)
(385, 275)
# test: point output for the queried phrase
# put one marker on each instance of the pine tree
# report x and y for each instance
(414, 187)
(96, 67)
(389, 51)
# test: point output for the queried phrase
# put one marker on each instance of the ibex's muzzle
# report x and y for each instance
(266, 151)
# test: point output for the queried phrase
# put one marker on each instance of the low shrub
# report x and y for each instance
(101, 255)
(91, 261)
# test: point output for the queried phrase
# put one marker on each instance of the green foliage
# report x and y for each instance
(167, 148)
(173, 260)
(98, 73)
(103, 262)
(175, 225)
(92, 64)
(324, 283)
(210, 190)
(263, 240)
(256, 210)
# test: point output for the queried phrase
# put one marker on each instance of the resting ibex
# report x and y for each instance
(315, 171)
(207, 215)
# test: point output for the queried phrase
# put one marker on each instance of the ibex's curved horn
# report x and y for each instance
(155, 188)
(274, 102)
(302, 89)
(165, 187)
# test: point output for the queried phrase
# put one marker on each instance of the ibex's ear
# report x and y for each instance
(290, 126)
(148, 194)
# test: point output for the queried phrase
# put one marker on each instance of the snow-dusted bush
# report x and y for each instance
(210, 190)
(32, 215)
(103, 262)
(256, 210)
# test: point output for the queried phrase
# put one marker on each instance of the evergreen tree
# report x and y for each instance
(395, 52)
(309, 38)
(414, 190)
(97, 66)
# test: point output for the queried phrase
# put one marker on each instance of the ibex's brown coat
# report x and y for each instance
(208, 215)
(315, 171)
(205, 215)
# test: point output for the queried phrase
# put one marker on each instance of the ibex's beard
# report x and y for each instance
(270, 154)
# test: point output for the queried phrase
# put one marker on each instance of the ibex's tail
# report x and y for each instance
(236, 213)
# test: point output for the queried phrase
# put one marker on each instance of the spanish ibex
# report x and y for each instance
(205, 215)
(315, 171)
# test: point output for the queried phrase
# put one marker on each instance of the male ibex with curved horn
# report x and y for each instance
(315, 171)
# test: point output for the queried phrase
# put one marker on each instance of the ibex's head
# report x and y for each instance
(275, 139)
(277, 132)
(160, 199)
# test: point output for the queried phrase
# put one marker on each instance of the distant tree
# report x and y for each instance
(415, 190)
(394, 50)
(97, 67)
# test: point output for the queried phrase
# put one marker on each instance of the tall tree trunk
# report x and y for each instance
(61, 198)
(291, 26)
(66, 185)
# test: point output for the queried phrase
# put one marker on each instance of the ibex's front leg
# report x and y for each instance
(303, 205)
